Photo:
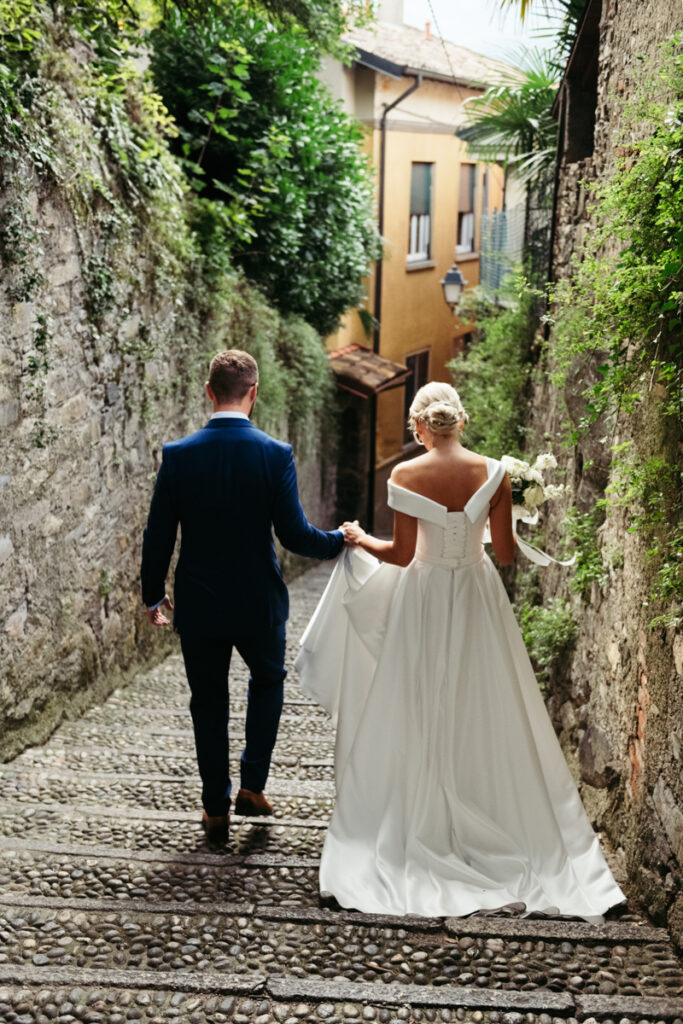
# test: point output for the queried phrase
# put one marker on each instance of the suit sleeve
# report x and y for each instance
(158, 540)
(291, 526)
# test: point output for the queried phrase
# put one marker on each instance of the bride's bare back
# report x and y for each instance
(448, 474)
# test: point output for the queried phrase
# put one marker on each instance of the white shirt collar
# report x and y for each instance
(230, 416)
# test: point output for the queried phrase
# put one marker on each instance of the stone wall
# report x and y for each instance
(619, 704)
(89, 392)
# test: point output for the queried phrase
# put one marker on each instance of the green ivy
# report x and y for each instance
(650, 493)
(620, 313)
(618, 325)
(97, 133)
(20, 245)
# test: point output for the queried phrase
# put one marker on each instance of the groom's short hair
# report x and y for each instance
(231, 374)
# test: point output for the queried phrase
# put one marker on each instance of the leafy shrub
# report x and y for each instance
(263, 139)
(549, 633)
(581, 530)
(492, 375)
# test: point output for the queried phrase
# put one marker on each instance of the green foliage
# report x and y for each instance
(104, 584)
(309, 384)
(96, 131)
(549, 633)
(37, 366)
(650, 491)
(491, 376)
(512, 121)
(581, 530)
(19, 249)
(262, 138)
(618, 325)
(620, 314)
(38, 359)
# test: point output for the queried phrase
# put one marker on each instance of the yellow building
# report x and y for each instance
(410, 89)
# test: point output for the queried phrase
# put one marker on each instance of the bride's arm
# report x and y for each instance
(500, 521)
(399, 550)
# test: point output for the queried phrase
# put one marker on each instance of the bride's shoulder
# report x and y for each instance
(406, 472)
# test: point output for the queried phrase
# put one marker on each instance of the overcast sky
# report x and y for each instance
(479, 24)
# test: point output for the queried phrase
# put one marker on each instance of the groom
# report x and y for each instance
(228, 486)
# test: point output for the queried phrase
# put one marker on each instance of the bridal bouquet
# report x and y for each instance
(529, 490)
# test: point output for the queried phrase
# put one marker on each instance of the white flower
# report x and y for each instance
(533, 496)
(535, 476)
(546, 460)
(553, 491)
(516, 469)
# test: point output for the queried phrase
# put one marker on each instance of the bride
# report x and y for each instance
(453, 795)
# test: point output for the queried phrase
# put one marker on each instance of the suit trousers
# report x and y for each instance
(207, 662)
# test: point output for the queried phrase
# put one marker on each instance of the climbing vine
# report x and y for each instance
(77, 115)
(618, 323)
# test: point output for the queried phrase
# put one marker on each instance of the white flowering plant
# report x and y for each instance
(529, 489)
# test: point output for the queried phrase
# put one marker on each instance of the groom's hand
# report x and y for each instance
(353, 533)
(156, 616)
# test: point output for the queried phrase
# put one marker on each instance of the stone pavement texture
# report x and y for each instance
(114, 909)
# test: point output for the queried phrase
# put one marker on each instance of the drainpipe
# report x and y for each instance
(370, 515)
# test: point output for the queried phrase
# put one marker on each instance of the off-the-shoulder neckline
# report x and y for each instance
(437, 504)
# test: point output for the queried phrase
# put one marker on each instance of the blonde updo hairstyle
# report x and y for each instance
(438, 406)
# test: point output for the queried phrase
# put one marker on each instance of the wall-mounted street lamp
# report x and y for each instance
(453, 284)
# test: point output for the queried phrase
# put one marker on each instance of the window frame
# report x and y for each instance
(408, 439)
(466, 224)
(420, 223)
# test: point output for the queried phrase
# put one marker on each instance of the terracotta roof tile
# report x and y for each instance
(363, 372)
(409, 47)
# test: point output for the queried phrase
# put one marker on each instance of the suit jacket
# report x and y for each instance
(228, 486)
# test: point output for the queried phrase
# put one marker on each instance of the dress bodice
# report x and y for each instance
(451, 539)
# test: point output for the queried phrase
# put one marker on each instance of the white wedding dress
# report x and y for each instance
(453, 794)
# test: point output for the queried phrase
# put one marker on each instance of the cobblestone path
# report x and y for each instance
(114, 909)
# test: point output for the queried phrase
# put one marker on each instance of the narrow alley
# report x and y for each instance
(113, 907)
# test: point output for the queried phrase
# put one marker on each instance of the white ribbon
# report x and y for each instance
(534, 554)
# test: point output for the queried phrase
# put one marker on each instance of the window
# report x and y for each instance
(420, 235)
(418, 364)
(465, 241)
(580, 90)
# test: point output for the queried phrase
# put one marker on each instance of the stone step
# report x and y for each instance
(177, 694)
(159, 792)
(341, 951)
(162, 793)
(159, 997)
(121, 720)
(477, 926)
(75, 871)
(181, 741)
(311, 811)
(65, 825)
(152, 757)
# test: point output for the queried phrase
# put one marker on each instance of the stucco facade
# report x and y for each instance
(419, 130)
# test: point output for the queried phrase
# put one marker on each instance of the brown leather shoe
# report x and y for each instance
(252, 803)
(216, 828)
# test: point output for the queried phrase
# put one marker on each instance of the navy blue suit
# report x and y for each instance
(228, 486)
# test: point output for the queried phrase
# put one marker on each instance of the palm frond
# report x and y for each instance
(511, 122)
(524, 6)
